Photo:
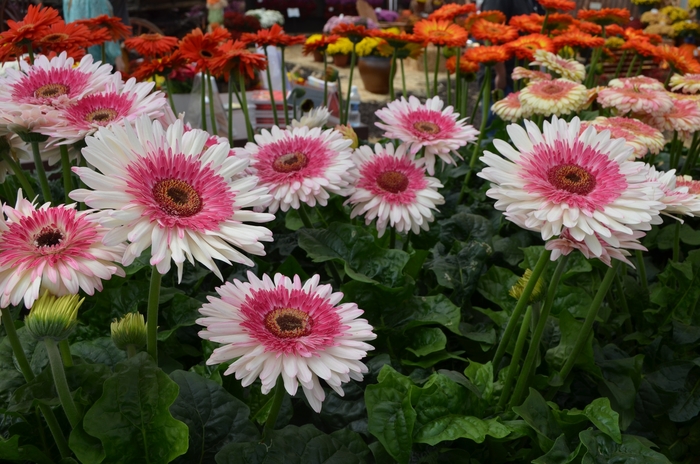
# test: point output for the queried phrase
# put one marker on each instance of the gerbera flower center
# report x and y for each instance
(102, 115)
(571, 178)
(48, 237)
(206, 54)
(177, 198)
(288, 323)
(393, 181)
(55, 38)
(551, 89)
(290, 162)
(427, 127)
(51, 91)
(151, 37)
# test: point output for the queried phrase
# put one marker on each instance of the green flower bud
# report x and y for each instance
(53, 317)
(129, 330)
(517, 290)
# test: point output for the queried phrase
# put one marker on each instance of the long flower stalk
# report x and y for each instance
(16, 168)
(274, 410)
(169, 87)
(284, 87)
(269, 87)
(67, 173)
(40, 172)
(515, 360)
(485, 106)
(244, 106)
(403, 80)
(353, 59)
(427, 73)
(203, 102)
(229, 119)
(60, 382)
(152, 314)
(392, 74)
(212, 107)
(437, 69)
(325, 79)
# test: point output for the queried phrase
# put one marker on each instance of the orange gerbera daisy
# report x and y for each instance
(151, 45)
(577, 38)
(465, 66)
(320, 44)
(235, 56)
(641, 46)
(162, 66)
(552, 5)
(493, 16)
(113, 25)
(488, 55)
(587, 27)
(274, 36)
(495, 33)
(559, 21)
(60, 36)
(10, 52)
(450, 11)
(614, 29)
(605, 16)
(441, 33)
(680, 59)
(34, 25)
(524, 47)
(531, 23)
(201, 48)
(354, 32)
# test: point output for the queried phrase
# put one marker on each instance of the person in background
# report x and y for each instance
(510, 8)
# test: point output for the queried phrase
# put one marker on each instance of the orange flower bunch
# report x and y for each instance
(605, 16)
(576, 38)
(530, 24)
(151, 45)
(680, 59)
(440, 33)
(466, 67)
(105, 28)
(450, 11)
(524, 47)
(494, 33)
(488, 55)
(163, 65)
(493, 16)
(554, 5)
(274, 36)
(34, 25)
(201, 49)
(235, 56)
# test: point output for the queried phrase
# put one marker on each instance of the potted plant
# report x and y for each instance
(374, 64)
(340, 51)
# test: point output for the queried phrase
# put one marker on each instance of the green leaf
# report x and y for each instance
(183, 312)
(570, 329)
(690, 236)
(291, 267)
(98, 351)
(559, 454)
(536, 413)
(87, 449)
(355, 246)
(424, 310)
(452, 427)
(464, 227)
(481, 376)
(495, 284)
(132, 418)
(460, 267)
(601, 414)
(391, 416)
(601, 449)
(11, 450)
(426, 340)
(620, 381)
(213, 416)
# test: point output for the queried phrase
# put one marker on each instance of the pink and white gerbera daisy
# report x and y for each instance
(683, 117)
(677, 198)
(686, 83)
(30, 94)
(394, 189)
(568, 69)
(566, 243)
(555, 97)
(509, 108)
(157, 189)
(49, 248)
(641, 82)
(687, 181)
(523, 73)
(647, 139)
(427, 126)
(565, 178)
(102, 109)
(301, 165)
(635, 100)
(283, 327)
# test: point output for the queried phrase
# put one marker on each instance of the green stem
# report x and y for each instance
(427, 73)
(30, 52)
(41, 174)
(692, 155)
(392, 74)
(244, 106)
(403, 80)
(269, 86)
(449, 89)
(677, 241)
(465, 99)
(60, 382)
(17, 171)
(585, 331)
(152, 314)
(458, 81)
(212, 107)
(544, 23)
(515, 360)
(590, 79)
(67, 173)
(486, 86)
(325, 79)
(674, 148)
(437, 69)
(642, 270)
(623, 303)
(131, 350)
(534, 348)
(169, 87)
(229, 120)
(619, 65)
(542, 263)
(668, 76)
(274, 410)
(66, 357)
(104, 53)
(203, 102)
(284, 87)
(632, 63)
(353, 59)
(340, 102)
(641, 66)
(306, 220)
(392, 238)
(478, 100)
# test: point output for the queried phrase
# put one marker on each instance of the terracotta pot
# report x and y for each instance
(375, 71)
(318, 56)
(341, 60)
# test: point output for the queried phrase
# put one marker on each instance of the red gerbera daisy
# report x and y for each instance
(201, 48)
(441, 33)
(274, 36)
(151, 45)
(465, 66)
(525, 46)
(61, 36)
(553, 5)
(354, 32)
(162, 66)
(114, 26)
(495, 33)
(488, 55)
(34, 25)
(450, 11)
(321, 44)
(605, 16)
(234, 55)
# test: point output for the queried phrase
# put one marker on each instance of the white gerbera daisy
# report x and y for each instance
(158, 189)
(568, 69)
(558, 96)
(317, 117)
(281, 327)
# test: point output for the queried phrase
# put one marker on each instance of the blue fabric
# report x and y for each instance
(85, 9)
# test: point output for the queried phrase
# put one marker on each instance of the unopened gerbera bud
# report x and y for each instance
(348, 134)
(53, 317)
(517, 290)
(129, 330)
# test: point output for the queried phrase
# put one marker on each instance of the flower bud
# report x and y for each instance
(53, 317)
(517, 290)
(348, 134)
(129, 330)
